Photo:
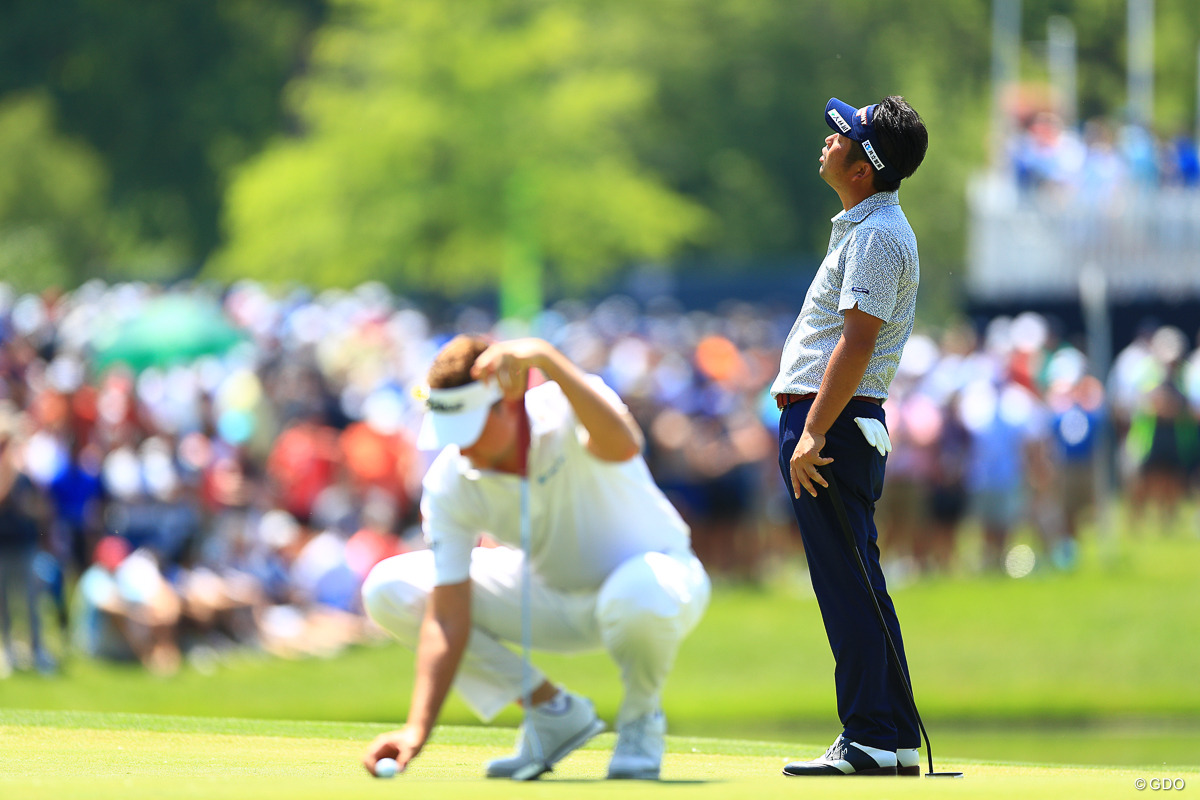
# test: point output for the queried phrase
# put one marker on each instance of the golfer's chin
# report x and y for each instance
(483, 462)
(475, 460)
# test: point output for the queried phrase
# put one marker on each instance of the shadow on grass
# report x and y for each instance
(660, 782)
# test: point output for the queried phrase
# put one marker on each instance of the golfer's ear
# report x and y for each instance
(863, 171)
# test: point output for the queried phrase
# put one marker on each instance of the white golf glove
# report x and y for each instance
(875, 434)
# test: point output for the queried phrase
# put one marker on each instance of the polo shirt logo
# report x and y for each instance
(859, 290)
(553, 470)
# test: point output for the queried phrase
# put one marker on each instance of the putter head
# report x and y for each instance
(531, 771)
(943, 774)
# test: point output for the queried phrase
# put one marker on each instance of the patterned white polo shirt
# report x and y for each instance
(872, 262)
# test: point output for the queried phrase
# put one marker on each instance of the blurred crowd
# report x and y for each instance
(1011, 427)
(230, 493)
(209, 500)
(1100, 163)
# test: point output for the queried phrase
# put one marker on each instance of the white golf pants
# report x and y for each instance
(640, 615)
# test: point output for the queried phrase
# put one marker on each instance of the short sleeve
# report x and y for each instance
(551, 410)
(451, 536)
(871, 278)
(610, 396)
(607, 392)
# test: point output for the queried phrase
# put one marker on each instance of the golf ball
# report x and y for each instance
(386, 768)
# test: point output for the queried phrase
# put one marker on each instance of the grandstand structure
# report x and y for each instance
(1143, 243)
(1095, 223)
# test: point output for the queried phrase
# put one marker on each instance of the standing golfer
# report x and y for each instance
(837, 364)
(612, 565)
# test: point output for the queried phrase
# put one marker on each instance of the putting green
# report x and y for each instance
(70, 755)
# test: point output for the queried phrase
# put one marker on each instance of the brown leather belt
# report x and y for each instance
(784, 400)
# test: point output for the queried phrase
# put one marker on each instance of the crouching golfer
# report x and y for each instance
(611, 562)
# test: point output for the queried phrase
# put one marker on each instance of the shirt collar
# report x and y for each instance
(860, 211)
(466, 468)
(471, 473)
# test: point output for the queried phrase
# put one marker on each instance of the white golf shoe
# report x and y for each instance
(845, 757)
(553, 736)
(640, 746)
(908, 761)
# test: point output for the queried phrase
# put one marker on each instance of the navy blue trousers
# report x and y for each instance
(871, 700)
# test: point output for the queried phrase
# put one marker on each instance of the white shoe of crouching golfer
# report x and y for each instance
(561, 726)
(640, 746)
(845, 757)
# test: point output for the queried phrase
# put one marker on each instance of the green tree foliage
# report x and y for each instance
(57, 225)
(434, 131)
(52, 194)
(430, 143)
(739, 125)
(627, 118)
(170, 96)
(1102, 42)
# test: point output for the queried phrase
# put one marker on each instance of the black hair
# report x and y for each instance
(901, 138)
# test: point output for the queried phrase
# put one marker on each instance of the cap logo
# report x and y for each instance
(456, 415)
(460, 399)
(875, 159)
(443, 407)
(862, 114)
(839, 120)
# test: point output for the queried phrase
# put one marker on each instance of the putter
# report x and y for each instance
(839, 508)
(538, 767)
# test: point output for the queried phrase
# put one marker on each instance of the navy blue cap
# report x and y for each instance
(859, 124)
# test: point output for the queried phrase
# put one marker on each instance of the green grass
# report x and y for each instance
(1096, 666)
(103, 756)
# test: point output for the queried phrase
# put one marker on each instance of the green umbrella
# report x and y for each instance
(171, 329)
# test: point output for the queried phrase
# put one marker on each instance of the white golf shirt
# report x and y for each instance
(588, 515)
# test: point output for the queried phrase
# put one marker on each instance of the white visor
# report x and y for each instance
(456, 416)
